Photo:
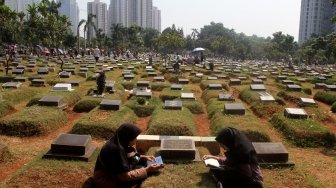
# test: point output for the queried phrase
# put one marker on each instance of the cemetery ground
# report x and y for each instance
(24, 166)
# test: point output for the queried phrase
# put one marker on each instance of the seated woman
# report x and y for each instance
(118, 164)
(239, 167)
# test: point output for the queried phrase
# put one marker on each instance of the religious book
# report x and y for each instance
(211, 163)
(158, 161)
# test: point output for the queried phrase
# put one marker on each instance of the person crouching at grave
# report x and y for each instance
(118, 164)
(239, 168)
(101, 83)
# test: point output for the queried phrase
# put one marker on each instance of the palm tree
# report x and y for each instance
(78, 36)
(89, 23)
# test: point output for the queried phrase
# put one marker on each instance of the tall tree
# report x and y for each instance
(78, 34)
(89, 23)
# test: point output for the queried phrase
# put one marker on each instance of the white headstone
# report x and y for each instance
(62, 87)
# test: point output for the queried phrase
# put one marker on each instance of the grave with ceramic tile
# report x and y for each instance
(183, 81)
(176, 87)
(295, 113)
(189, 96)
(296, 88)
(56, 101)
(226, 97)
(62, 87)
(173, 105)
(258, 87)
(234, 82)
(174, 150)
(14, 85)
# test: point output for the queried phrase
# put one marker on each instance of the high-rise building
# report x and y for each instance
(70, 9)
(99, 9)
(156, 23)
(315, 19)
(20, 5)
(134, 12)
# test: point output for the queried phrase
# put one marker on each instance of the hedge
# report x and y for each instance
(266, 110)
(303, 132)
(19, 95)
(172, 123)
(86, 105)
(159, 86)
(71, 98)
(195, 107)
(103, 124)
(205, 84)
(32, 121)
(326, 97)
(145, 109)
(247, 124)
(210, 94)
(249, 96)
(168, 94)
(288, 97)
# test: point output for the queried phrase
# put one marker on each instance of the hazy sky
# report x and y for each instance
(260, 17)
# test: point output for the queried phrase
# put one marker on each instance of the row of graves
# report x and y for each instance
(171, 114)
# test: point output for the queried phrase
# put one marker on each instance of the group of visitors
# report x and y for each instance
(119, 164)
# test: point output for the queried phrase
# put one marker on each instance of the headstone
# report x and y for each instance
(109, 86)
(215, 87)
(320, 85)
(257, 87)
(307, 102)
(152, 74)
(234, 108)
(159, 79)
(178, 150)
(226, 97)
(188, 96)
(129, 76)
(294, 88)
(143, 84)
(20, 79)
(18, 71)
(74, 83)
(257, 81)
(43, 70)
(176, 87)
(330, 87)
(146, 94)
(56, 101)
(62, 87)
(173, 105)
(38, 82)
(15, 85)
(269, 98)
(212, 78)
(295, 113)
(65, 74)
(271, 152)
(71, 146)
(183, 81)
(234, 82)
(110, 104)
(287, 82)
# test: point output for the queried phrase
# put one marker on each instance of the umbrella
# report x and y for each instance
(198, 49)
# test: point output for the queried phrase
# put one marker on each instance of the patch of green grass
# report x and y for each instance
(172, 122)
(303, 132)
(266, 110)
(71, 98)
(326, 97)
(32, 121)
(249, 96)
(159, 86)
(168, 94)
(16, 96)
(210, 94)
(205, 84)
(143, 110)
(103, 124)
(195, 107)
(5, 108)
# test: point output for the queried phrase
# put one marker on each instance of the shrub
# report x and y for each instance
(326, 97)
(280, 101)
(266, 110)
(5, 108)
(103, 124)
(173, 78)
(288, 97)
(32, 121)
(194, 107)
(249, 96)
(168, 94)
(86, 105)
(128, 85)
(172, 123)
(143, 110)
(307, 91)
(333, 108)
(210, 94)
(303, 132)
(141, 100)
(19, 95)
(214, 106)
(159, 86)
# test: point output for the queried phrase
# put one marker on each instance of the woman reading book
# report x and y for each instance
(239, 167)
(118, 164)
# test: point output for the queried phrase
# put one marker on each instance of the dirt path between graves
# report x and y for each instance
(202, 120)
(329, 124)
(142, 123)
(35, 145)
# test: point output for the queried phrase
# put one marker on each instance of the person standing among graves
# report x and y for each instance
(211, 66)
(202, 57)
(118, 164)
(240, 166)
(96, 53)
(101, 83)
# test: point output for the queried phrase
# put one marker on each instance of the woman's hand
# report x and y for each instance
(153, 168)
(209, 157)
(147, 158)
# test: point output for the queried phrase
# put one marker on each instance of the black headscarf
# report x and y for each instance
(241, 150)
(113, 155)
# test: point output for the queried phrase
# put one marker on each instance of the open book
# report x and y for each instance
(211, 163)
(158, 161)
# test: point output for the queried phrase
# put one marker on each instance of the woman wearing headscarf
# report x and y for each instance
(118, 164)
(239, 167)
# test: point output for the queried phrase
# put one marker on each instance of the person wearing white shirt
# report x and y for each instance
(96, 53)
